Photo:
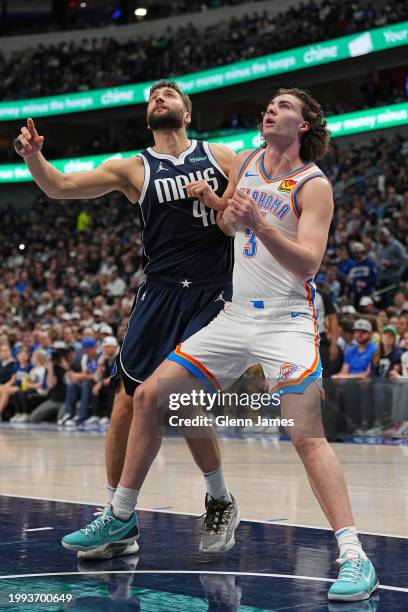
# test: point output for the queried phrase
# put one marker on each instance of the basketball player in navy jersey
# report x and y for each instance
(188, 266)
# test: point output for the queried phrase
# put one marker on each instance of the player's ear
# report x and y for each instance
(187, 119)
(304, 127)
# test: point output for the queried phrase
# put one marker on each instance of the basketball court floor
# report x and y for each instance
(284, 559)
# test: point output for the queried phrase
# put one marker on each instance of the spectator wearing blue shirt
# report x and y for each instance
(363, 275)
(355, 372)
(387, 359)
(343, 263)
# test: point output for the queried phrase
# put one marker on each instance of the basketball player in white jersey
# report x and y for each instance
(280, 205)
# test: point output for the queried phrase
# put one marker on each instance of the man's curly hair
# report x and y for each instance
(315, 142)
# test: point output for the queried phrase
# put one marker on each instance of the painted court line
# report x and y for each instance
(284, 523)
(198, 572)
(39, 529)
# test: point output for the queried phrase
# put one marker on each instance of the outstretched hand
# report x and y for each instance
(29, 142)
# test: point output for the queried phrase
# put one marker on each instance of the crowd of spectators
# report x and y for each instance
(105, 62)
(99, 15)
(62, 296)
(69, 274)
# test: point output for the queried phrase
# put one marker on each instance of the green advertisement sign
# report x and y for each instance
(309, 56)
(340, 125)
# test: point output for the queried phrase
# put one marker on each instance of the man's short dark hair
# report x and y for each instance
(173, 85)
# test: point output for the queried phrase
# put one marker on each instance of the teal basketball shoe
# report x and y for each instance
(357, 579)
(102, 533)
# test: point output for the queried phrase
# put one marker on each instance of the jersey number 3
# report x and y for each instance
(251, 245)
(199, 210)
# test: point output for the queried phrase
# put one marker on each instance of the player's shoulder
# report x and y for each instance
(315, 183)
(221, 154)
(220, 151)
(246, 154)
(124, 164)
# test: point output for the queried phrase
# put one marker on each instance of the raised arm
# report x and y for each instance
(122, 175)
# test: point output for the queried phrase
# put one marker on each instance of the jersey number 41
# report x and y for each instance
(200, 211)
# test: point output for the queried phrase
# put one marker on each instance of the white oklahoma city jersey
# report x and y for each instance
(272, 317)
(257, 273)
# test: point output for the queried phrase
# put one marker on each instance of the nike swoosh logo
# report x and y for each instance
(295, 314)
(111, 533)
(250, 174)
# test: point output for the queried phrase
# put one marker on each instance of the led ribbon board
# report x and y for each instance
(300, 58)
(340, 125)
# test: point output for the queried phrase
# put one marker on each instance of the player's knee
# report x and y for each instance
(143, 399)
(122, 407)
(307, 446)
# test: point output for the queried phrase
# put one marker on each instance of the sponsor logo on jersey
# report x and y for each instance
(198, 159)
(174, 188)
(161, 167)
(287, 185)
(286, 370)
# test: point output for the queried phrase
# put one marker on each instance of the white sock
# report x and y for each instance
(347, 539)
(111, 492)
(124, 502)
(214, 481)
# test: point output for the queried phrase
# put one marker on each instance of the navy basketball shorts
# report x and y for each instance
(165, 313)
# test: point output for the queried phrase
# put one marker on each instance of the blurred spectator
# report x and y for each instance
(6, 363)
(362, 275)
(116, 286)
(399, 428)
(400, 302)
(18, 380)
(34, 390)
(387, 359)
(346, 337)
(382, 319)
(391, 257)
(358, 358)
(402, 328)
(103, 390)
(366, 306)
(80, 386)
(52, 407)
(354, 372)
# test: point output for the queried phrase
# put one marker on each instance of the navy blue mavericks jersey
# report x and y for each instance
(180, 235)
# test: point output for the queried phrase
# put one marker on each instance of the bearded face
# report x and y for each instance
(163, 118)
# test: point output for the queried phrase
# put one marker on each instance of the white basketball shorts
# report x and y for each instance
(280, 335)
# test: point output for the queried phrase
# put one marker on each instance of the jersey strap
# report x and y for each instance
(247, 161)
(295, 205)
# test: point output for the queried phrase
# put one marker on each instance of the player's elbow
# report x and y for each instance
(310, 264)
(308, 270)
(56, 191)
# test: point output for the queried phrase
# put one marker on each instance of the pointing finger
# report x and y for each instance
(31, 127)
